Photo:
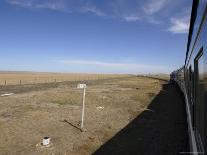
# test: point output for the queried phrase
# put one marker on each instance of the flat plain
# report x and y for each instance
(54, 109)
(21, 78)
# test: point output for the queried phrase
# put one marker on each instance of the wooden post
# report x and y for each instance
(5, 82)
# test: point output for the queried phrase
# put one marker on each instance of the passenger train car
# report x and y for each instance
(178, 77)
(194, 79)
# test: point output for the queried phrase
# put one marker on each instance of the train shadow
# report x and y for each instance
(160, 130)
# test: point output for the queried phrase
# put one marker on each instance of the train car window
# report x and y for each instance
(190, 73)
(199, 112)
(192, 83)
(189, 81)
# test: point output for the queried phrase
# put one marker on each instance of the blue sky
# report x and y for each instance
(94, 36)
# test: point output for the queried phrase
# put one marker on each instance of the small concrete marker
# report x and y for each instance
(46, 141)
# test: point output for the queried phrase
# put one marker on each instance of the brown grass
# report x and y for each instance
(27, 117)
(17, 78)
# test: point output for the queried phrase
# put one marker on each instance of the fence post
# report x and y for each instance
(5, 82)
(20, 82)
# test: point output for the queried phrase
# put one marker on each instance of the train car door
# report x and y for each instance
(199, 111)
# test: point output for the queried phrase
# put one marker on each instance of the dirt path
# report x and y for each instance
(162, 129)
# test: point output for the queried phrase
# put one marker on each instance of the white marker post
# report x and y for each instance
(82, 86)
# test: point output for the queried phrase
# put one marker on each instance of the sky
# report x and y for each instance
(94, 36)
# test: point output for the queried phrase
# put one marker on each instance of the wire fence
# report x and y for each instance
(21, 79)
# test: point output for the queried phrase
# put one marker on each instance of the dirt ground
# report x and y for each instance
(34, 112)
(162, 130)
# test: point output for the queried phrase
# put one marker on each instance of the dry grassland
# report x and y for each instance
(54, 111)
(17, 78)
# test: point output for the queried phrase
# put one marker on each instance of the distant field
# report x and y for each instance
(20, 78)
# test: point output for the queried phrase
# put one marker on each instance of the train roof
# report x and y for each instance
(192, 23)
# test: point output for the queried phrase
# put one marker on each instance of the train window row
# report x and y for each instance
(195, 77)
(195, 87)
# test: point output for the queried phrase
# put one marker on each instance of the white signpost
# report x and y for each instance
(82, 86)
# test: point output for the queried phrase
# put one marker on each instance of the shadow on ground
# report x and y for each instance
(71, 124)
(160, 130)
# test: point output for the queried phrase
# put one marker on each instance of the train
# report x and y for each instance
(192, 78)
(177, 77)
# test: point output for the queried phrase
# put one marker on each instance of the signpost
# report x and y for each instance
(82, 86)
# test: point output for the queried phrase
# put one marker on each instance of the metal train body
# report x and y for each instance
(178, 77)
(192, 78)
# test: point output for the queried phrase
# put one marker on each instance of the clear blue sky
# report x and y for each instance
(109, 36)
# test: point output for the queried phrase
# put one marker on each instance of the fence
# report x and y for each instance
(26, 78)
